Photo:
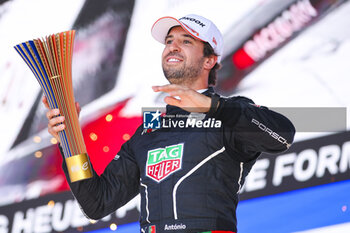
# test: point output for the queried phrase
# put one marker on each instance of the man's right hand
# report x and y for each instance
(56, 122)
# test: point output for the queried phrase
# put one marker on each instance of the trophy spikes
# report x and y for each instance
(50, 60)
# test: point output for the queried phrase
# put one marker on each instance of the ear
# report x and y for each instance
(210, 62)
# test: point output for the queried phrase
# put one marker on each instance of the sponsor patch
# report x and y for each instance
(163, 162)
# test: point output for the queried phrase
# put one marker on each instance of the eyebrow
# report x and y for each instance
(184, 35)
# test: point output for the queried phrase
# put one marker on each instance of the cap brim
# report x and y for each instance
(162, 26)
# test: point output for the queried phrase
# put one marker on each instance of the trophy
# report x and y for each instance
(50, 60)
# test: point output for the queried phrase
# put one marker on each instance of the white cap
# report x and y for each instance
(198, 26)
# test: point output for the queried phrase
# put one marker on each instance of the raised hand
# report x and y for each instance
(188, 99)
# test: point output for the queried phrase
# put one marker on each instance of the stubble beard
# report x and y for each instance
(186, 74)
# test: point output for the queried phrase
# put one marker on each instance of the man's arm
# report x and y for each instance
(249, 128)
(101, 195)
(252, 128)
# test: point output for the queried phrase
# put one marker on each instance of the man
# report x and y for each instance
(188, 178)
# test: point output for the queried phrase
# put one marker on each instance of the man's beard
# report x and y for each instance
(184, 74)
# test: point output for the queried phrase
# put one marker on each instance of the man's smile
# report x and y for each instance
(172, 59)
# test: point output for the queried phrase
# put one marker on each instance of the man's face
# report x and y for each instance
(182, 58)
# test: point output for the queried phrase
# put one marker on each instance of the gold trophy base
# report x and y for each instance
(79, 167)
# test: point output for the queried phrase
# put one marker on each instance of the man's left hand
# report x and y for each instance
(189, 99)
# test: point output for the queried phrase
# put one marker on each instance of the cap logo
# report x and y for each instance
(193, 20)
(193, 31)
(214, 41)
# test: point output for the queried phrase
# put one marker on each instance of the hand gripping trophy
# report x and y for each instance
(50, 60)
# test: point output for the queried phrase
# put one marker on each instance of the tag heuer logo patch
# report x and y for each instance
(162, 162)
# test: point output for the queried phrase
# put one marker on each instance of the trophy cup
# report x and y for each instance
(50, 60)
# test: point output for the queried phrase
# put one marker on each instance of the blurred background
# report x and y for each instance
(284, 54)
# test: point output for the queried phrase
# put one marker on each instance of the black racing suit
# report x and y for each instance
(188, 178)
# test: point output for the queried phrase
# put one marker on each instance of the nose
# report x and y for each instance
(174, 47)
